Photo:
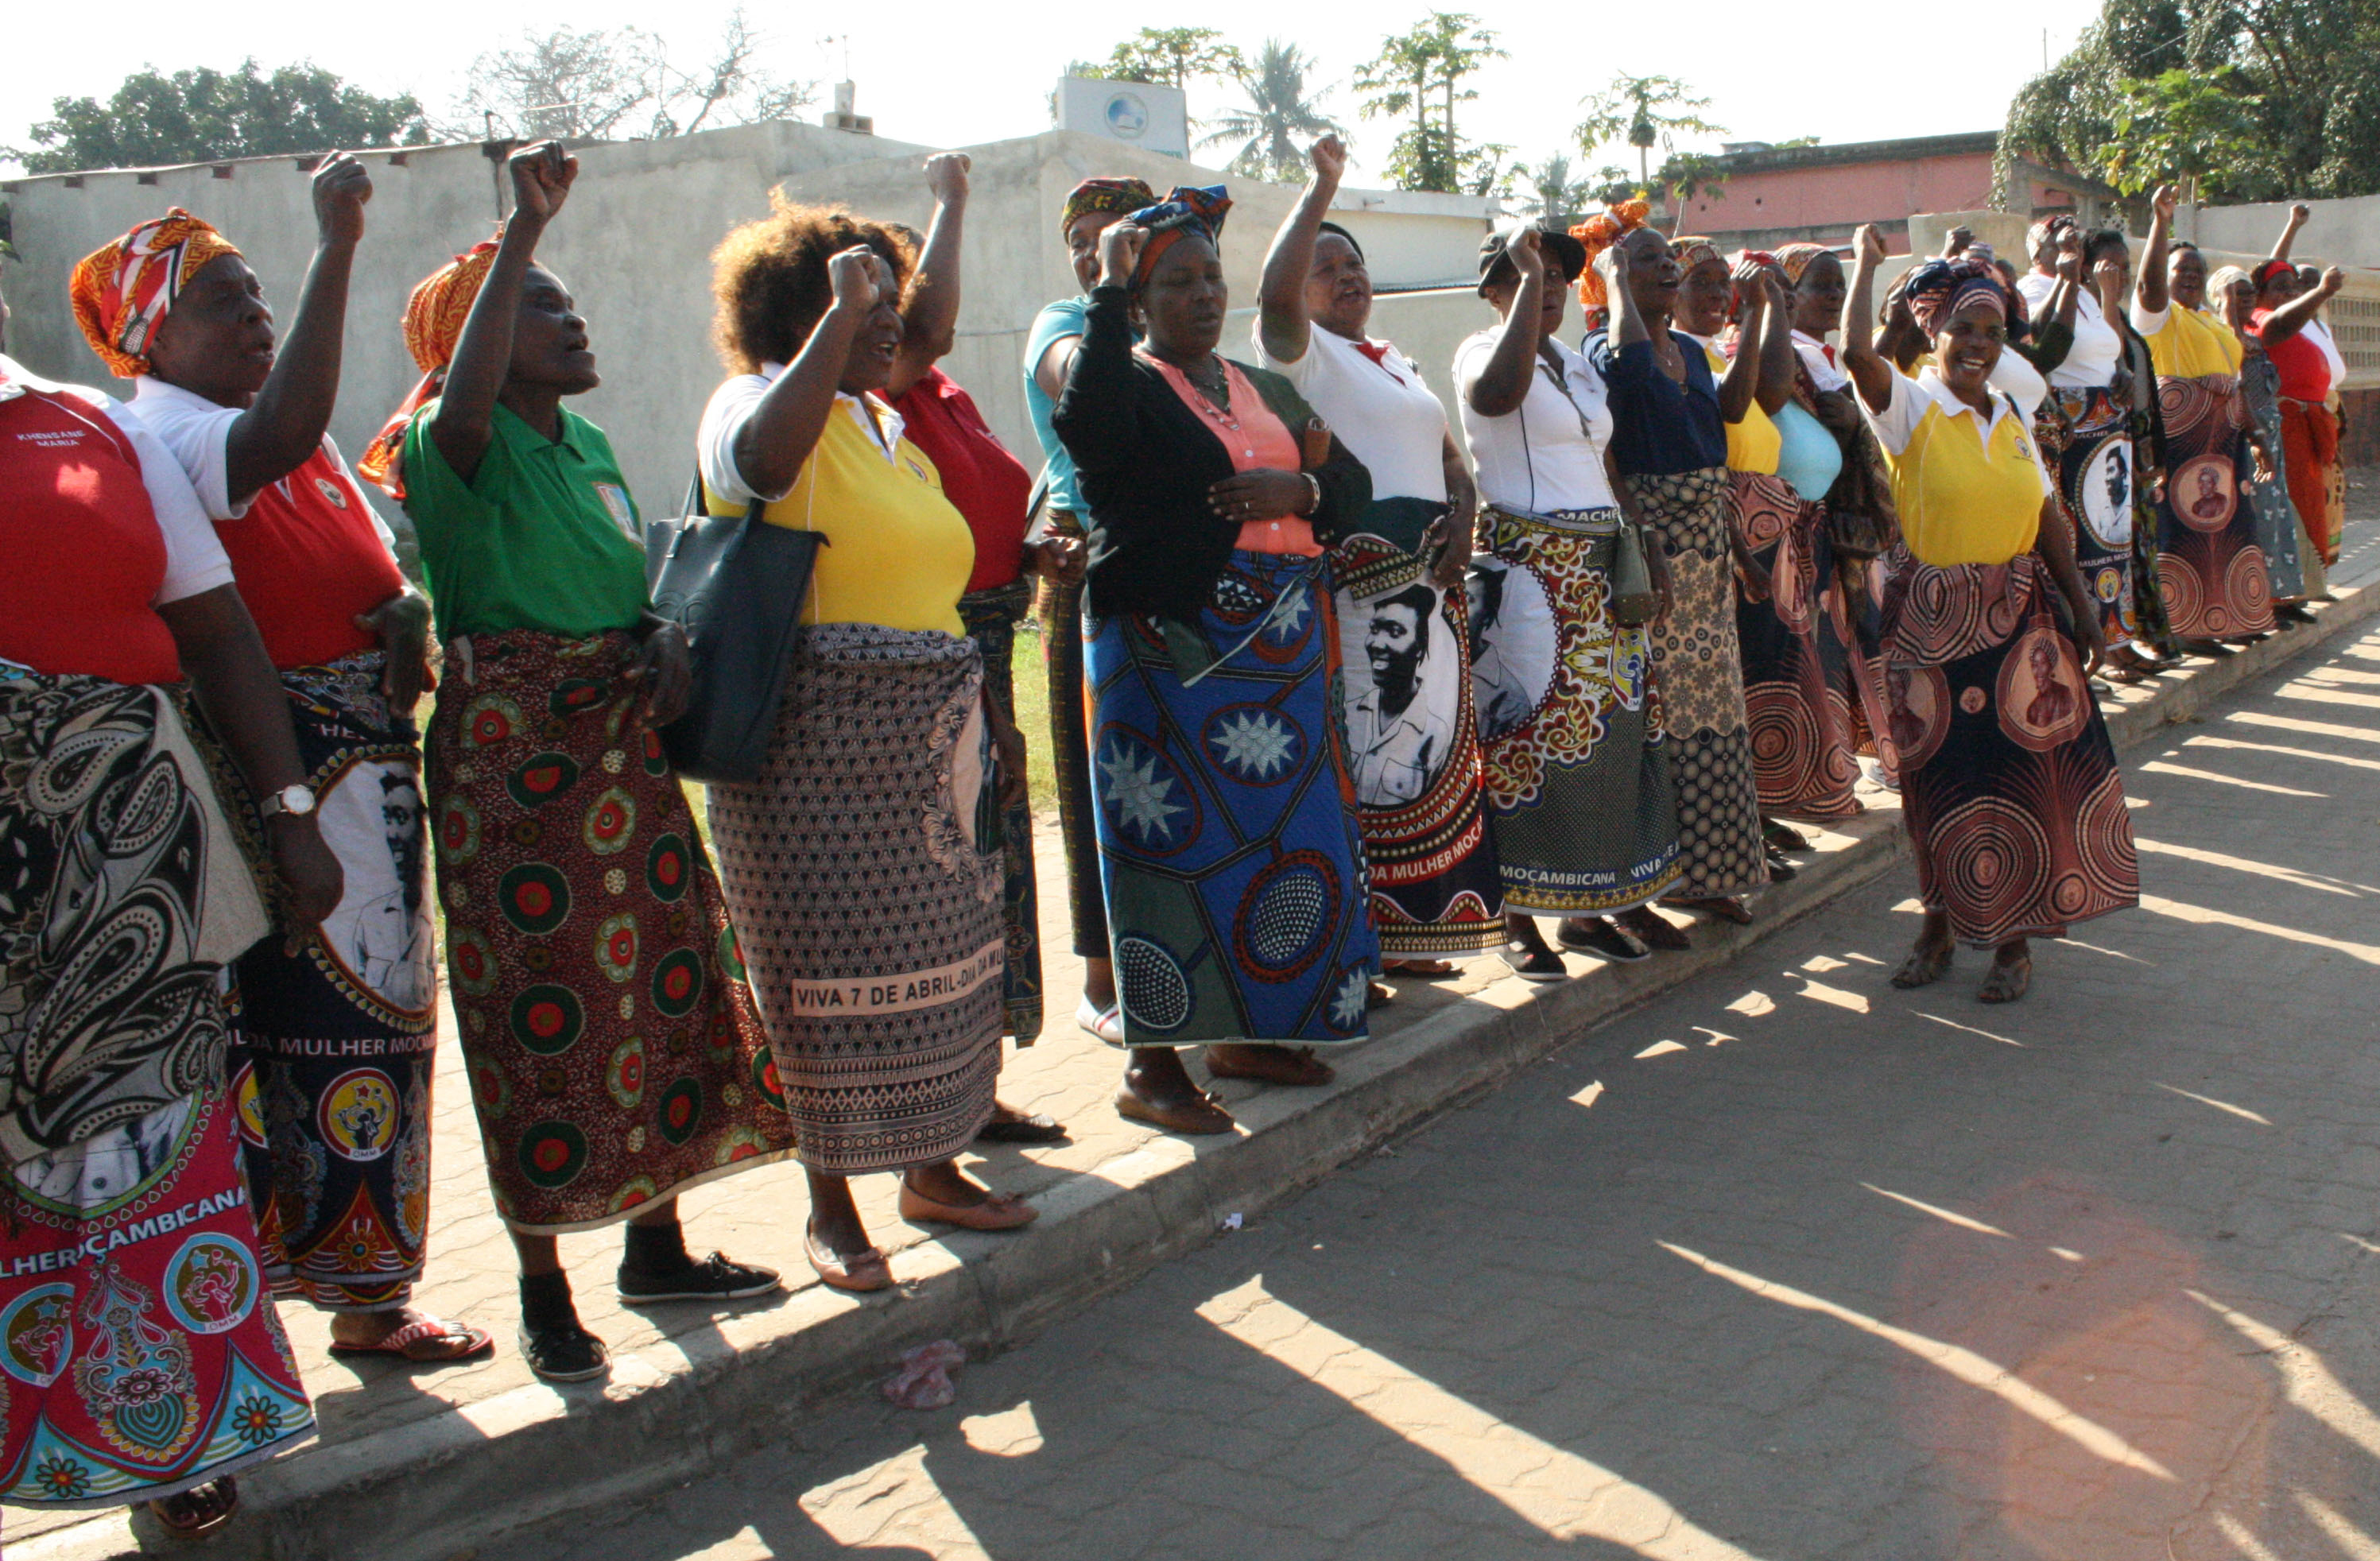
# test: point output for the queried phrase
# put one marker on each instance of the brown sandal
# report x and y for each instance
(1201, 1116)
(1296, 1066)
(202, 1509)
(858, 1275)
(1925, 966)
(999, 1211)
(2005, 983)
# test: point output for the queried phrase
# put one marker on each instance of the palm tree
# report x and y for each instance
(1631, 109)
(1280, 118)
(1549, 189)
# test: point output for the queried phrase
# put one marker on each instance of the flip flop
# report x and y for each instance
(403, 1343)
(1422, 970)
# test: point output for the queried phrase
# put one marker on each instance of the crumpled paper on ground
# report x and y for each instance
(924, 1380)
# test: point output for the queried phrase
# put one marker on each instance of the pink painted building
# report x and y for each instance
(1819, 194)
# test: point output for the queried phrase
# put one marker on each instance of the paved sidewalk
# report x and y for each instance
(1787, 1265)
(1116, 1200)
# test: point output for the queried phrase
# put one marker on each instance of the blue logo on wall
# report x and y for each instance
(1127, 116)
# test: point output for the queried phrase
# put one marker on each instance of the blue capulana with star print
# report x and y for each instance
(1228, 843)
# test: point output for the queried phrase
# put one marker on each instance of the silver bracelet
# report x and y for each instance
(1314, 484)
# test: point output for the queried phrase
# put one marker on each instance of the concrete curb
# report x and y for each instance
(436, 1489)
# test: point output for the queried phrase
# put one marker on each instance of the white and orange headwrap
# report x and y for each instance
(434, 314)
(121, 291)
(1599, 233)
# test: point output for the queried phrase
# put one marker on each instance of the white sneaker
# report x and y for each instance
(1107, 1023)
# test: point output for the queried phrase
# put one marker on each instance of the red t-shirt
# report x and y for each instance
(2305, 373)
(81, 555)
(309, 559)
(308, 549)
(988, 485)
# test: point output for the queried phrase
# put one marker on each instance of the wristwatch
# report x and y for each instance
(298, 802)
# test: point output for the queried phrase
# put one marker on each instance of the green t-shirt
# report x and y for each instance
(543, 537)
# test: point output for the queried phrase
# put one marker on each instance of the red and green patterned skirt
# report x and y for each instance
(614, 1052)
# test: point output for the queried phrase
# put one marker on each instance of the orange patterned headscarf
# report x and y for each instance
(1599, 233)
(121, 291)
(433, 325)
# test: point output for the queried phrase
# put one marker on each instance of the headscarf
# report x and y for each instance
(434, 314)
(1794, 259)
(1103, 195)
(1187, 209)
(1757, 257)
(2270, 268)
(121, 291)
(2225, 279)
(1693, 251)
(1940, 289)
(1599, 233)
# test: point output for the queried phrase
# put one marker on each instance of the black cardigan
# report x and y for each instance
(1144, 463)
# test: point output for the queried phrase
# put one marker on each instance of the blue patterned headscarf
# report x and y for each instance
(1187, 209)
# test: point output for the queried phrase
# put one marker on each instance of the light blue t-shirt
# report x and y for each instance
(1808, 457)
(1054, 323)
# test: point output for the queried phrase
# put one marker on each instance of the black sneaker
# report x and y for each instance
(1534, 965)
(714, 1278)
(1597, 936)
(563, 1351)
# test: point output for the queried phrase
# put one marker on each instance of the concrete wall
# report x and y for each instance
(2343, 233)
(634, 245)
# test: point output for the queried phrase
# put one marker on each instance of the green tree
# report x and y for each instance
(1166, 56)
(1422, 74)
(1280, 115)
(203, 115)
(1553, 191)
(2302, 78)
(1646, 112)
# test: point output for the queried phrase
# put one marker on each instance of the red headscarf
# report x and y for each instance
(121, 291)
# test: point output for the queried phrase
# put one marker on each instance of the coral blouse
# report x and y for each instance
(1256, 440)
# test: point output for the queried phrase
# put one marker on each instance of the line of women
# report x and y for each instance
(1335, 697)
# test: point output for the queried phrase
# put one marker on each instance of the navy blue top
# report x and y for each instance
(1660, 428)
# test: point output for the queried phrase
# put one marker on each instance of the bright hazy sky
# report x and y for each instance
(939, 72)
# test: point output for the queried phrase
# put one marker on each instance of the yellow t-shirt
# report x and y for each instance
(2193, 344)
(1752, 444)
(1967, 494)
(898, 552)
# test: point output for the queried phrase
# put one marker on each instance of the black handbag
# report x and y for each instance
(736, 585)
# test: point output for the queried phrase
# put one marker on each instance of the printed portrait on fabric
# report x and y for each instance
(1511, 644)
(2105, 493)
(380, 935)
(2042, 697)
(1403, 691)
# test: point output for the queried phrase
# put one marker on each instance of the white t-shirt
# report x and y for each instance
(195, 560)
(1380, 409)
(1911, 399)
(733, 403)
(2319, 334)
(198, 434)
(2098, 350)
(1547, 453)
(1818, 359)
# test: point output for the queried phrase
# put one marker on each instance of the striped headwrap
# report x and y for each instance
(1599, 233)
(1938, 289)
(1794, 259)
(121, 291)
(1187, 209)
(434, 314)
(1119, 196)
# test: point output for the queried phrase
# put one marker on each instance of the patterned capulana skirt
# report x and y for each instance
(2086, 438)
(990, 615)
(1412, 740)
(2014, 804)
(613, 1053)
(864, 870)
(1234, 872)
(2210, 570)
(2279, 535)
(141, 1348)
(336, 1043)
(1699, 670)
(1576, 767)
(1805, 758)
